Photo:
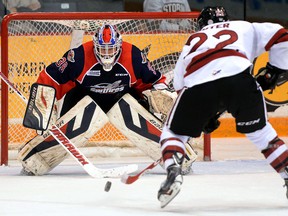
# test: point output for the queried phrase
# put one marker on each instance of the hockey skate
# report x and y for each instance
(172, 185)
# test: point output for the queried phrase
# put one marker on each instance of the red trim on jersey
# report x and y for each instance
(90, 59)
(278, 37)
(208, 56)
(126, 60)
(140, 86)
(61, 90)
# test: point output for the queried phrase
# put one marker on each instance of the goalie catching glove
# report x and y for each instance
(270, 76)
(160, 102)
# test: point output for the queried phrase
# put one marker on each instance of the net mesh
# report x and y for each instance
(34, 44)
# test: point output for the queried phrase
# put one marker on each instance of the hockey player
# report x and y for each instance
(108, 70)
(214, 69)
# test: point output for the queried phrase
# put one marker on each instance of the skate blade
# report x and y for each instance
(165, 199)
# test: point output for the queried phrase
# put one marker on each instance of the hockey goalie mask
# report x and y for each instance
(210, 15)
(107, 46)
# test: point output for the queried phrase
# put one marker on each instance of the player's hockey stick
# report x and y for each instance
(61, 138)
(129, 179)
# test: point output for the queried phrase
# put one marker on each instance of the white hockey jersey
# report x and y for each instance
(228, 48)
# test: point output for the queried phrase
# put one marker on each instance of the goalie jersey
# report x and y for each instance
(80, 70)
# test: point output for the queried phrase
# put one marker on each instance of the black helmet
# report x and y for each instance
(210, 15)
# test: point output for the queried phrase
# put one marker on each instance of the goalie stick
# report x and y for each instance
(61, 138)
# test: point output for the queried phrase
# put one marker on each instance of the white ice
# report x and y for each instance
(238, 186)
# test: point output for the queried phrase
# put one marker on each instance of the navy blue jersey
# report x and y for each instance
(80, 69)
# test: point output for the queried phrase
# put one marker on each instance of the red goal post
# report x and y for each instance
(31, 41)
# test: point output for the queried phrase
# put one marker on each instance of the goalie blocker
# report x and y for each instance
(39, 107)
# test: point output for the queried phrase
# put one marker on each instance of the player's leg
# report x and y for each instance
(43, 153)
(160, 103)
(173, 152)
(249, 109)
(186, 119)
(273, 148)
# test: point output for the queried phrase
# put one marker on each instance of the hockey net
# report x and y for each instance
(31, 41)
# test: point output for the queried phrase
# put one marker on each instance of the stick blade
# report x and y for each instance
(129, 179)
(119, 171)
(126, 179)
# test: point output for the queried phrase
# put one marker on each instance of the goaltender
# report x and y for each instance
(105, 79)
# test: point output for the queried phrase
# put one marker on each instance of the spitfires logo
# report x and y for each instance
(108, 88)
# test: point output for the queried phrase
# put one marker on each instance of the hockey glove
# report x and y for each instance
(270, 76)
(160, 102)
(212, 125)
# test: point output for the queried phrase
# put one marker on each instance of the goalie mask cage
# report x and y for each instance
(31, 41)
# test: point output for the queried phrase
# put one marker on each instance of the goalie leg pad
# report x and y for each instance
(190, 157)
(143, 129)
(41, 154)
(138, 125)
(40, 163)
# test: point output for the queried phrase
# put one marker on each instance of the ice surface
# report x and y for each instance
(236, 182)
(232, 187)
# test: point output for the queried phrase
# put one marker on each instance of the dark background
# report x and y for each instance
(250, 10)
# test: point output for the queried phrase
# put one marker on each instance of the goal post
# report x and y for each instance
(31, 41)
